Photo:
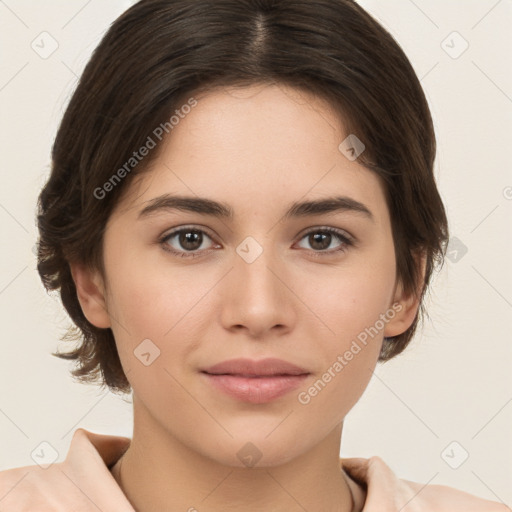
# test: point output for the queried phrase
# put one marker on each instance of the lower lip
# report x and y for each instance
(256, 390)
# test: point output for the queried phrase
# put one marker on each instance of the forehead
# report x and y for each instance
(249, 146)
(276, 118)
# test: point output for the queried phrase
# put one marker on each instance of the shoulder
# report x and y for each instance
(448, 499)
(32, 488)
(385, 492)
(82, 482)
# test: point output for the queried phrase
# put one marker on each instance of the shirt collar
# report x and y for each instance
(91, 455)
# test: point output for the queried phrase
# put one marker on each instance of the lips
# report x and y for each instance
(255, 382)
(249, 368)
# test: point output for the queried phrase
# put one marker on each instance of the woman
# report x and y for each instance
(242, 220)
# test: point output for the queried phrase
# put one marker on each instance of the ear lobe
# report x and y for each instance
(90, 291)
(406, 305)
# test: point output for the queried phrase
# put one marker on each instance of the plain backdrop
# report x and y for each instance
(439, 413)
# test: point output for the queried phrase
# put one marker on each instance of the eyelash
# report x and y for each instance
(342, 237)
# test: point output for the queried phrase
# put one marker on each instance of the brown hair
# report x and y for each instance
(160, 52)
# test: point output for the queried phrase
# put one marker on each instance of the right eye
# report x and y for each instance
(187, 242)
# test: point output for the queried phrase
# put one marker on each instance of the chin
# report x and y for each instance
(255, 450)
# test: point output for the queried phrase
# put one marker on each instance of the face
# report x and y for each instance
(187, 288)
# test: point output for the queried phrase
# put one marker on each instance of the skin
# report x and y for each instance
(257, 149)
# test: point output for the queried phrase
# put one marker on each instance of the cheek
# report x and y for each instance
(351, 298)
(157, 329)
(332, 394)
(355, 304)
(166, 306)
(346, 358)
(150, 297)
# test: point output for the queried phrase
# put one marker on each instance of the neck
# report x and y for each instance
(158, 472)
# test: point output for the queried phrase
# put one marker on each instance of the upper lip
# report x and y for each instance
(249, 367)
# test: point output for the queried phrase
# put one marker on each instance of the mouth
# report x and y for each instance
(268, 367)
(255, 382)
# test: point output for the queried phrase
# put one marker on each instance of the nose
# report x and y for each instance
(256, 294)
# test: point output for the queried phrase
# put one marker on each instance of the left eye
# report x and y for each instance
(321, 238)
(190, 241)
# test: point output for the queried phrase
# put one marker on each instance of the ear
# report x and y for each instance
(406, 305)
(90, 291)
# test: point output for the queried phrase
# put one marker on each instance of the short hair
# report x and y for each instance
(159, 53)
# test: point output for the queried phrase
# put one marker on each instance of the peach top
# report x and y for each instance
(83, 481)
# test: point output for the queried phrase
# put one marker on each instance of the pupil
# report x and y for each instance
(320, 237)
(190, 237)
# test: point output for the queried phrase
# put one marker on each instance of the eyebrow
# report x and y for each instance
(221, 210)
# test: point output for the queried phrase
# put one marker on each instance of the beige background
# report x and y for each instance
(453, 384)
